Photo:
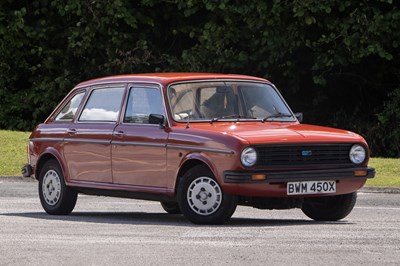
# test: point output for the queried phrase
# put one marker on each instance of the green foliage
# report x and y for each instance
(337, 61)
(388, 134)
(49, 49)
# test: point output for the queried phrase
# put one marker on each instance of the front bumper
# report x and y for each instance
(297, 176)
(26, 170)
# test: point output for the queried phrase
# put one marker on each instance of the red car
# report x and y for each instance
(199, 143)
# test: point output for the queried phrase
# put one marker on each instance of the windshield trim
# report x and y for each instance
(241, 119)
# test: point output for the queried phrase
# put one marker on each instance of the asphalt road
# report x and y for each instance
(113, 231)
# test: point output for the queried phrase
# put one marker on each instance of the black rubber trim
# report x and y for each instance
(26, 170)
(293, 176)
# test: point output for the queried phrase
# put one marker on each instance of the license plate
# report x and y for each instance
(311, 187)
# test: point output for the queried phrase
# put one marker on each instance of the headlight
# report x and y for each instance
(248, 157)
(357, 154)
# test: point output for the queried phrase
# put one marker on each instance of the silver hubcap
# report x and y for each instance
(204, 196)
(51, 187)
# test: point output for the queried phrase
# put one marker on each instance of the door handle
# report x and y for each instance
(119, 133)
(71, 131)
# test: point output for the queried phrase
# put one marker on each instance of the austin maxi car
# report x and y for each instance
(201, 144)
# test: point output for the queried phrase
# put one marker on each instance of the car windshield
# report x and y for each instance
(227, 100)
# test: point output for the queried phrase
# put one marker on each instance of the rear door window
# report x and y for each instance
(103, 105)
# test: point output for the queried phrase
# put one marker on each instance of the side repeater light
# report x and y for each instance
(258, 177)
(360, 173)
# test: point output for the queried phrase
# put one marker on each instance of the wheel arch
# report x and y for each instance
(45, 157)
(191, 162)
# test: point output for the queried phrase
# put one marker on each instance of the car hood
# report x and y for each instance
(275, 132)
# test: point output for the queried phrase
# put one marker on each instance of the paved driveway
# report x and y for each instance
(113, 231)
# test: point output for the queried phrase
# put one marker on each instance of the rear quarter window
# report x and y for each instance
(69, 110)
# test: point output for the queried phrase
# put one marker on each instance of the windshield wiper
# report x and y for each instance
(215, 119)
(277, 115)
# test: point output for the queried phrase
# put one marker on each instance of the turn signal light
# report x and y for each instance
(360, 173)
(258, 177)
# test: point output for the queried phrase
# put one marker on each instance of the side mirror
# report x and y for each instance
(299, 116)
(157, 119)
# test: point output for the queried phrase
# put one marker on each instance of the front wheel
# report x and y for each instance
(330, 208)
(202, 200)
(55, 197)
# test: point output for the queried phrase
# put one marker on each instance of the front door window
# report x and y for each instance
(141, 103)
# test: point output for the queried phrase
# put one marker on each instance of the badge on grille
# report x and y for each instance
(306, 153)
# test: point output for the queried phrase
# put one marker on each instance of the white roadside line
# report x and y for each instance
(379, 208)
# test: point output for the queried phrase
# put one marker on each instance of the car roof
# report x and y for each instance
(166, 78)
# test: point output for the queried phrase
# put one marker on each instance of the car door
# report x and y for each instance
(87, 146)
(139, 147)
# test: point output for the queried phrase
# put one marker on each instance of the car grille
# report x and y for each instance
(301, 155)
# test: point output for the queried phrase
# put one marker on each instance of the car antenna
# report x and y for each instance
(188, 120)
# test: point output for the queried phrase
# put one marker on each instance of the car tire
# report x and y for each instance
(330, 208)
(171, 207)
(201, 199)
(56, 198)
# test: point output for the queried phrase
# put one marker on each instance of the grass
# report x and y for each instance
(13, 157)
(387, 172)
(12, 152)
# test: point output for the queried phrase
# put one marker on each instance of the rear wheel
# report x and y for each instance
(55, 196)
(171, 207)
(331, 208)
(202, 200)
